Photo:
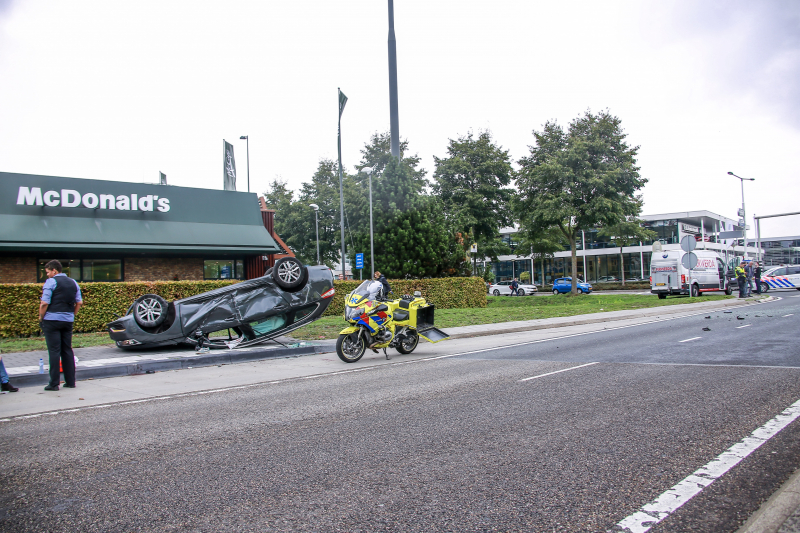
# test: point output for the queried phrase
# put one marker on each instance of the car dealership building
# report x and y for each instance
(118, 231)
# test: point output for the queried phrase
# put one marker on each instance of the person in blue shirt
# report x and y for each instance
(61, 299)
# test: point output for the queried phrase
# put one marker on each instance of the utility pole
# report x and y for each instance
(393, 112)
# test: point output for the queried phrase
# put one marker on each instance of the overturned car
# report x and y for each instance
(287, 297)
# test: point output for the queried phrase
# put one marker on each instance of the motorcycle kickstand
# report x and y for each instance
(386, 354)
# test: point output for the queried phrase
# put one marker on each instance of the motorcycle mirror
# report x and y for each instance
(417, 294)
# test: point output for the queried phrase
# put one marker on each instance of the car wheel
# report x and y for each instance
(150, 310)
(409, 343)
(555, 292)
(729, 289)
(520, 292)
(496, 292)
(662, 296)
(695, 291)
(289, 274)
(348, 350)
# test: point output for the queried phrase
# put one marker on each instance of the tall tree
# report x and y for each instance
(627, 232)
(578, 179)
(472, 183)
(376, 154)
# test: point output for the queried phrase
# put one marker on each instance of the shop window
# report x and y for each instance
(86, 269)
(223, 269)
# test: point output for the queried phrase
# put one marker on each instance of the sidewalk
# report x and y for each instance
(110, 361)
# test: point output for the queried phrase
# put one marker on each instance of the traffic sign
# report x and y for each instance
(689, 260)
(359, 261)
(688, 243)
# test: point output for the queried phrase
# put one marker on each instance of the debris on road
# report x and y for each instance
(706, 329)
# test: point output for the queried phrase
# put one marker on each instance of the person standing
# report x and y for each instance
(514, 287)
(61, 299)
(741, 279)
(748, 269)
(757, 276)
(383, 281)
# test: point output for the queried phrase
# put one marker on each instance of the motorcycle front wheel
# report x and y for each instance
(409, 343)
(349, 351)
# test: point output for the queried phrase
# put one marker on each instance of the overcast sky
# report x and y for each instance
(123, 90)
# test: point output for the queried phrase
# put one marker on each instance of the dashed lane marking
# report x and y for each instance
(745, 326)
(790, 314)
(692, 339)
(660, 508)
(557, 371)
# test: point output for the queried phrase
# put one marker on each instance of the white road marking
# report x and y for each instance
(790, 314)
(557, 371)
(745, 326)
(660, 508)
(692, 339)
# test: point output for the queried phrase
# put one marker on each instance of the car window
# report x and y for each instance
(262, 327)
(792, 270)
(779, 272)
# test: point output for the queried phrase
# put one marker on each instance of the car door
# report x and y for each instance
(721, 273)
(793, 276)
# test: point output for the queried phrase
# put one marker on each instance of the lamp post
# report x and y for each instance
(744, 217)
(368, 171)
(315, 207)
(247, 138)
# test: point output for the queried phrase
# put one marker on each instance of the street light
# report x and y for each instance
(368, 171)
(744, 216)
(247, 138)
(315, 207)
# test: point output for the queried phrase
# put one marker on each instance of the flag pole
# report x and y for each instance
(342, 102)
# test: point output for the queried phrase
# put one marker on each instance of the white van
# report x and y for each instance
(667, 275)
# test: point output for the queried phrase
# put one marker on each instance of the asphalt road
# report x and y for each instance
(464, 442)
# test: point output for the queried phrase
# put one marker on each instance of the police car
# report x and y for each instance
(782, 277)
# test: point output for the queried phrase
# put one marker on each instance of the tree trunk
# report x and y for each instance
(574, 264)
(622, 266)
(542, 271)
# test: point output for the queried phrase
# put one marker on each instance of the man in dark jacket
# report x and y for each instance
(382, 279)
(61, 299)
(757, 276)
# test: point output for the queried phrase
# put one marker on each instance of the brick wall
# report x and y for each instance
(18, 269)
(163, 269)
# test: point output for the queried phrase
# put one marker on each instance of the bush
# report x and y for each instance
(444, 293)
(19, 303)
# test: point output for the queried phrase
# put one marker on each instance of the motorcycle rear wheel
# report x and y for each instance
(409, 343)
(349, 351)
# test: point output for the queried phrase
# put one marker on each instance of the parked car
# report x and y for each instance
(287, 297)
(504, 288)
(564, 285)
(607, 279)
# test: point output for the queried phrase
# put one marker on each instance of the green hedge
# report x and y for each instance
(445, 293)
(19, 303)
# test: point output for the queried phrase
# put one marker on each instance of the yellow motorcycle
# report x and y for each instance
(378, 323)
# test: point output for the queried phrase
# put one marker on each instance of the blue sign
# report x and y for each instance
(359, 261)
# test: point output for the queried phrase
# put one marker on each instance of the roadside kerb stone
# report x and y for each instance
(779, 514)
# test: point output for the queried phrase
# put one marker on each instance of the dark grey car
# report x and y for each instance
(288, 296)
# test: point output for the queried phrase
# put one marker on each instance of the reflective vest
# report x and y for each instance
(740, 273)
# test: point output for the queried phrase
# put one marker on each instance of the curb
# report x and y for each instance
(210, 359)
(782, 505)
(516, 329)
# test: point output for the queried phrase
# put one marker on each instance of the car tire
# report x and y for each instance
(520, 292)
(694, 291)
(496, 292)
(662, 296)
(150, 310)
(729, 290)
(289, 274)
(555, 292)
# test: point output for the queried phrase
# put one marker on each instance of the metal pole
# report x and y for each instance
(371, 247)
(248, 163)
(393, 113)
(316, 225)
(744, 217)
(758, 239)
(641, 258)
(703, 233)
(341, 193)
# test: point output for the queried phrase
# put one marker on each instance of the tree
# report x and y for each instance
(472, 183)
(626, 233)
(541, 243)
(578, 179)
(377, 153)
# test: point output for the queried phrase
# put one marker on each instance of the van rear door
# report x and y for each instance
(665, 275)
